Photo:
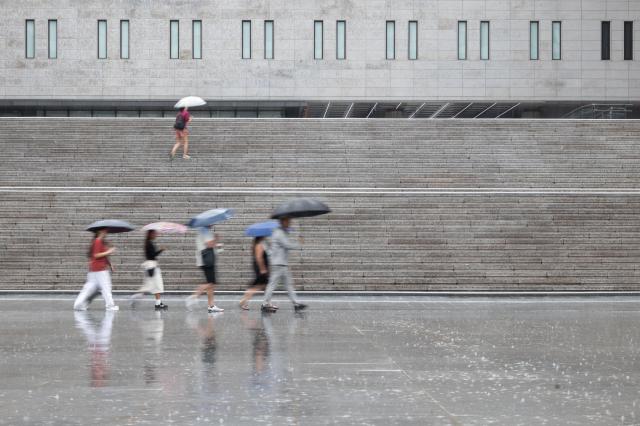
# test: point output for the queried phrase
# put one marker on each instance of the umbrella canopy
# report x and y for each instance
(112, 226)
(166, 228)
(189, 102)
(210, 217)
(261, 229)
(301, 207)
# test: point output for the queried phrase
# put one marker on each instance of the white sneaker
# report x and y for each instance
(191, 302)
(214, 308)
(112, 308)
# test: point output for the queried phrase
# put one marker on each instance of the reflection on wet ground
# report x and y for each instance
(348, 360)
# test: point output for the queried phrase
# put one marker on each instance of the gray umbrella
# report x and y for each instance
(301, 207)
(112, 226)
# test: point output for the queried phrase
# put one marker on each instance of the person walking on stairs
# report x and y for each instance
(99, 275)
(152, 281)
(261, 270)
(279, 272)
(206, 259)
(182, 134)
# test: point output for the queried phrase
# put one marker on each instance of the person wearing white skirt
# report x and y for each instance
(152, 281)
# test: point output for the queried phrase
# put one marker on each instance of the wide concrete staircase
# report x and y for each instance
(418, 205)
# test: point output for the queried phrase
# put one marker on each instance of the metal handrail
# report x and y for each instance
(510, 109)
(593, 107)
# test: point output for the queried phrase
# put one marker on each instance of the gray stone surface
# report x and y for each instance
(323, 153)
(548, 205)
(377, 361)
(294, 74)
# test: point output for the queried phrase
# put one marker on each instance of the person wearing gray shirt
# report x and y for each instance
(279, 271)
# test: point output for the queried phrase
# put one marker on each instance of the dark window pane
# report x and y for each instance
(606, 41)
(628, 41)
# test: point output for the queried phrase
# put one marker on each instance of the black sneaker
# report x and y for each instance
(268, 308)
(299, 307)
(161, 307)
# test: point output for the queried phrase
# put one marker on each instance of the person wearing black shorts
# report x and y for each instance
(206, 260)
(261, 270)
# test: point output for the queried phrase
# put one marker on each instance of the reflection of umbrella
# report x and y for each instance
(112, 226)
(189, 102)
(210, 217)
(301, 207)
(262, 229)
(165, 228)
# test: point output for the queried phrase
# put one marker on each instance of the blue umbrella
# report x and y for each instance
(112, 226)
(261, 229)
(210, 217)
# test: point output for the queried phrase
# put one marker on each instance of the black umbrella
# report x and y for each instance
(301, 207)
(112, 226)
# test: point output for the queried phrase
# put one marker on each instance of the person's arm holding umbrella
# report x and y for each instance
(289, 244)
(212, 243)
(106, 253)
(110, 250)
(151, 251)
(282, 237)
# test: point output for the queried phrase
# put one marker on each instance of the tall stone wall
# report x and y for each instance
(294, 74)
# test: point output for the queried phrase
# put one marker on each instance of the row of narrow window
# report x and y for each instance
(341, 40)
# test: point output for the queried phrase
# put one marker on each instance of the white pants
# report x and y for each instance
(98, 337)
(96, 282)
(277, 274)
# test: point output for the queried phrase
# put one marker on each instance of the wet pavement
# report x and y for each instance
(347, 360)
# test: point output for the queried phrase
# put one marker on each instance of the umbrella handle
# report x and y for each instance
(301, 245)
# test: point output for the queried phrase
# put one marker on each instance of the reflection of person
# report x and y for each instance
(261, 270)
(99, 340)
(206, 380)
(208, 334)
(152, 334)
(206, 260)
(99, 276)
(267, 365)
(280, 246)
(152, 281)
(182, 134)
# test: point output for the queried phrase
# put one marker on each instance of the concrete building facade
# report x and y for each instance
(66, 63)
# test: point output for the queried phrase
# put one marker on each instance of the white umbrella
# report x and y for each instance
(190, 101)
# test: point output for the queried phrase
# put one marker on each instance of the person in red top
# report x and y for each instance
(182, 134)
(99, 275)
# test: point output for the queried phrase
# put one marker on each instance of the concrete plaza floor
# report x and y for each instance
(347, 360)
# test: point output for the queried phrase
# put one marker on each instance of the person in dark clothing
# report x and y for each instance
(182, 134)
(261, 270)
(152, 282)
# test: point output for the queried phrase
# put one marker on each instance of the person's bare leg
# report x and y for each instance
(248, 295)
(185, 146)
(176, 146)
(157, 295)
(200, 290)
(210, 294)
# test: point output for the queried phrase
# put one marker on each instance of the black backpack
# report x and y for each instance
(180, 123)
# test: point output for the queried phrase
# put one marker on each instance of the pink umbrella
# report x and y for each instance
(166, 228)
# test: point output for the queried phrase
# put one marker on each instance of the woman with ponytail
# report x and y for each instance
(99, 275)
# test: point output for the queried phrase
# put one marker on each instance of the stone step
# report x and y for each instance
(385, 241)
